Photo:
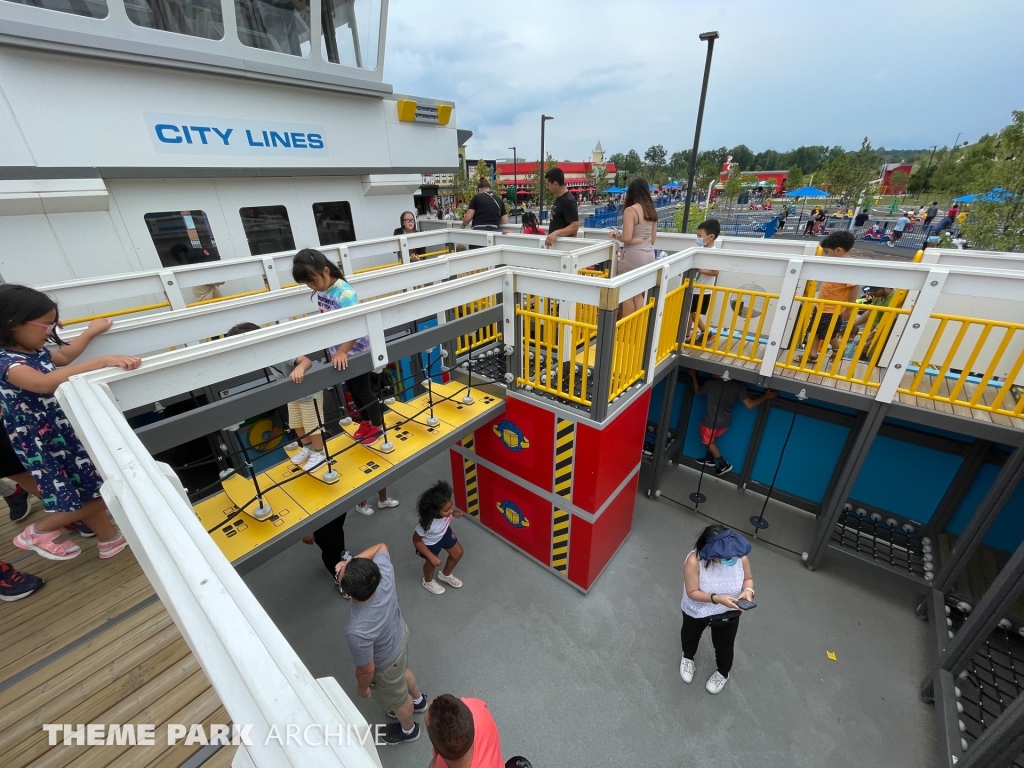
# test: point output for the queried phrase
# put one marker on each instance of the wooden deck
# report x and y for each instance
(856, 387)
(95, 645)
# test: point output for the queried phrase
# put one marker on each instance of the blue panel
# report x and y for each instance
(931, 430)
(811, 455)
(733, 444)
(1008, 530)
(904, 478)
(654, 414)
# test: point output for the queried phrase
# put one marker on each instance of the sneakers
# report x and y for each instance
(395, 735)
(708, 461)
(388, 503)
(716, 682)
(110, 548)
(15, 585)
(81, 529)
(452, 580)
(315, 460)
(17, 502)
(364, 509)
(432, 586)
(367, 434)
(302, 456)
(46, 544)
(417, 709)
(686, 669)
(722, 468)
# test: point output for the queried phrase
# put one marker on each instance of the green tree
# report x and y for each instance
(999, 225)
(898, 181)
(742, 156)
(920, 180)
(733, 185)
(537, 179)
(795, 179)
(849, 174)
(598, 176)
(679, 164)
(654, 159)
(703, 176)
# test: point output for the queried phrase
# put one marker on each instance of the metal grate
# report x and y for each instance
(885, 539)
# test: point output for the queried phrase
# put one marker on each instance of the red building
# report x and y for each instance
(577, 175)
(778, 177)
(887, 188)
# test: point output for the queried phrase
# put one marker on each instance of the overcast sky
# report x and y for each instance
(906, 74)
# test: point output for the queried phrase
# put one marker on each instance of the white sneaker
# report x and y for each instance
(315, 460)
(686, 669)
(716, 682)
(433, 586)
(388, 503)
(302, 456)
(455, 581)
(364, 509)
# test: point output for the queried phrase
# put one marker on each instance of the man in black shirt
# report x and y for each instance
(486, 210)
(565, 217)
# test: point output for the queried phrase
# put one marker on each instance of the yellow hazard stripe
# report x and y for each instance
(560, 541)
(564, 444)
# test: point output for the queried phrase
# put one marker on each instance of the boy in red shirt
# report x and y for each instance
(463, 733)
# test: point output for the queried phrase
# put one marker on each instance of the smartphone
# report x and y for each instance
(745, 605)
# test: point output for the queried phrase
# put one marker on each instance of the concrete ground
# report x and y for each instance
(592, 680)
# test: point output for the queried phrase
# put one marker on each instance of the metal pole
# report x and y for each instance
(710, 37)
(540, 216)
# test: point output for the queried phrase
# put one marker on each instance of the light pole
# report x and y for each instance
(543, 119)
(710, 37)
(515, 181)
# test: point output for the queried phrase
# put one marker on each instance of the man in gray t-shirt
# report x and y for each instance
(721, 397)
(379, 641)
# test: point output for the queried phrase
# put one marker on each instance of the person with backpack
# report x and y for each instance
(486, 210)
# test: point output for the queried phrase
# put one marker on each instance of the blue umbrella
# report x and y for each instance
(807, 192)
(994, 195)
(671, 185)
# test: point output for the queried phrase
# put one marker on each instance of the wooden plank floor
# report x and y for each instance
(94, 645)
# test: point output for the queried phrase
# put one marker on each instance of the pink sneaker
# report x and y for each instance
(367, 434)
(46, 544)
(110, 548)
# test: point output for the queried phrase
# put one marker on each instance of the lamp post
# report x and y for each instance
(543, 119)
(515, 181)
(710, 37)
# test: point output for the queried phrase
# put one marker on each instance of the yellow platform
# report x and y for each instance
(295, 495)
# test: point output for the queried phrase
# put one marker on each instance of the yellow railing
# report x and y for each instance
(628, 354)
(667, 343)
(481, 336)
(549, 350)
(860, 366)
(593, 272)
(997, 346)
(378, 267)
(740, 320)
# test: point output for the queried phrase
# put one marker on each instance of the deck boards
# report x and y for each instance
(94, 645)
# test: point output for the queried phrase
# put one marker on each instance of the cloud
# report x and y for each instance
(784, 74)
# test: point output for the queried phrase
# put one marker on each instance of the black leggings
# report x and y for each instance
(362, 391)
(331, 540)
(723, 637)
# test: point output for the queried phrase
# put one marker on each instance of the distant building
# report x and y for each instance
(779, 177)
(887, 188)
(577, 174)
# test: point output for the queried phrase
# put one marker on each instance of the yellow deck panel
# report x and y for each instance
(300, 495)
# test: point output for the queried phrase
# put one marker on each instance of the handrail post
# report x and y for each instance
(904, 352)
(271, 275)
(660, 292)
(403, 246)
(172, 289)
(345, 258)
(783, 311)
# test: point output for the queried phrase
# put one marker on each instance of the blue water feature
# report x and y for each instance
(904, 478)
(811, 455)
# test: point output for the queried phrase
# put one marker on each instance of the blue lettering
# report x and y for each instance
(188, 136)
(315, 140)
(202, 130)
(252, 143)
(223, 136)
(160, 129)
(266, 139)
(299, 140)
(276, 137)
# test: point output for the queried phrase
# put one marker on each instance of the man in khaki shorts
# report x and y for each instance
(379, 640)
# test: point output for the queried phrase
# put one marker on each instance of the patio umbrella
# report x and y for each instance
(805, 192)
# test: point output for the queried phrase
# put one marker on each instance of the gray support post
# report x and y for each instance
(947, 720)
(993, 606)
(1001, 742)
(763, 411)
(659, 441)
(844, 484)
(603, 355)
(974, 457)
(986, 514)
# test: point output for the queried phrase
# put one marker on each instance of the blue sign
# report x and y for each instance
(511, 435)
(512, 514)
(198, 135)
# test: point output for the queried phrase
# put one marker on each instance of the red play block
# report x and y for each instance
(498, 495)
(522, 441)
(591, 545)
(606, 457)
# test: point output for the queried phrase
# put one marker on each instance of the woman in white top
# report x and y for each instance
(639, 231)
(716, 573)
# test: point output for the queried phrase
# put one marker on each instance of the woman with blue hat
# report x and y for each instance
(715, 575)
